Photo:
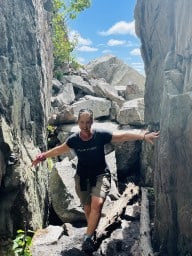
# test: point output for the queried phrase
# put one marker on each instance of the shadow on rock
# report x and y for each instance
(74, 252)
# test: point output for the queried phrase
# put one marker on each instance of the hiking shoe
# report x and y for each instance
(88, 245)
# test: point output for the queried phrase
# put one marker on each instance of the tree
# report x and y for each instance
(63, 11)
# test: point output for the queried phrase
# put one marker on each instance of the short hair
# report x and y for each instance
(85, 110)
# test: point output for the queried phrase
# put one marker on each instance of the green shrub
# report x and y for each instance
(63, 10)
(21, 244)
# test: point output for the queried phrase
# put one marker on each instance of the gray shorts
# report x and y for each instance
(101, 189)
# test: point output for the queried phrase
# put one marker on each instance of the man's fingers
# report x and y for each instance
(35, 162)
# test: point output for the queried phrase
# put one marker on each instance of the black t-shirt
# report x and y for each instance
(91, 156)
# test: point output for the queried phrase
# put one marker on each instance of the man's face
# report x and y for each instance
(85, 122)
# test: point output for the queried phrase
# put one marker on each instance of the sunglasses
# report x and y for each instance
(85, 110)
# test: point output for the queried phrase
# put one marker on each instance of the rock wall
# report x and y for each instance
(25, 82)
(164, 28)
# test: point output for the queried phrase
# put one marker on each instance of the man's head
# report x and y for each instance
(86, 111)
(85, 119)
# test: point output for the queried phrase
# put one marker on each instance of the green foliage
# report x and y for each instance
(75, 65)
(58, 74)
(50, 163)
(63, 10)
(51, 129)
(22, 243)
(51, 142)
(77, 6)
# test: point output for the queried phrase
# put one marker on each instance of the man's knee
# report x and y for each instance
(97, 204)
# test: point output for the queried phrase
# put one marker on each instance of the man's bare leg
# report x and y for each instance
(87, 210)
(94, 214)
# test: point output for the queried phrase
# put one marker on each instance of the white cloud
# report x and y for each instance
(101, 45)
(84, 41)
(120, 28)
(132, 44)
(81, 40)
(72, 34)
(136, 52)
(84, 44)
(106, 51)
(137, 64)
(114, 42)
(85, 48)
(81, 60)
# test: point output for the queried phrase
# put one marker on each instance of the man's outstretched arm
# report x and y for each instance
(121, 136)
(56, 151)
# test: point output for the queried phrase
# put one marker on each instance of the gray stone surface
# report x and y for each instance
(25, 107)
(165, 33)
(122, 240)
(25, 82)
(132, 113)
(114, 71)
(62, 192)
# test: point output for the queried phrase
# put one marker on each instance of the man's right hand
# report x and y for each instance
(39, 158)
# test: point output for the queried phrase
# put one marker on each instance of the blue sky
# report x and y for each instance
(107, 27)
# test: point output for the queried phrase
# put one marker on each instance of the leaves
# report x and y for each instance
(63, 10)
(21, 244)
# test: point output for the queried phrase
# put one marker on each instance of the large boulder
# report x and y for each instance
(62, 191)
(166, 51)
(80, 85)
(25, 82)
(100, 106)
(62, 115)
(132, 113)
(114, 71)
(62, 94)
(133, 91)
(105, 90)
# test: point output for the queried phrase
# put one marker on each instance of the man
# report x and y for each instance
(93, 177)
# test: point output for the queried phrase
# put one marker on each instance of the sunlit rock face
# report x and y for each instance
(25, 81)
(115, 72)
(164, 28)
